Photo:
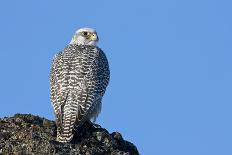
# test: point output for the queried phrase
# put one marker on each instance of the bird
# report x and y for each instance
(78, 79)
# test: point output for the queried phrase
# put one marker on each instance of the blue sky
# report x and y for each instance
(171, 80)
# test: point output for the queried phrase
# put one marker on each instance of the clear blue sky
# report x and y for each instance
(171, 71)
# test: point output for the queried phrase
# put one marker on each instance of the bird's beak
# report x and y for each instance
(94, 37)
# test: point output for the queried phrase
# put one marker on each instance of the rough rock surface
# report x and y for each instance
(31, 135)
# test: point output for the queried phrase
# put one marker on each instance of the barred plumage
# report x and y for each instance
(78, 79)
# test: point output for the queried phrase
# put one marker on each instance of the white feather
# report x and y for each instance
(80, 40)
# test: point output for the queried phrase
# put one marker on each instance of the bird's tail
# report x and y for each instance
(70, 110)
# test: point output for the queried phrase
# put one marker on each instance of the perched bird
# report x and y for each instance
(78, 80)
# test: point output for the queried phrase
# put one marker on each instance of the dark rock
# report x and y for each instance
(31, 135)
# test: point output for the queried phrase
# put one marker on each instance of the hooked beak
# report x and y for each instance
(94, 37)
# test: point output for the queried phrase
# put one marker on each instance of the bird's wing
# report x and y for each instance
(95, 83)
(86, 106)
(88, 96)
(57, 96)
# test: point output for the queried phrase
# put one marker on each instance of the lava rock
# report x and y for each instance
(31, 135)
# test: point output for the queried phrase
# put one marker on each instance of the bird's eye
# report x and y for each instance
(85, 33)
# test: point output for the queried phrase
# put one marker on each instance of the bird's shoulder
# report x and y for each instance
(83, 50)
(79, 51)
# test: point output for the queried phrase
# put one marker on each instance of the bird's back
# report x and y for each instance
(79, 77)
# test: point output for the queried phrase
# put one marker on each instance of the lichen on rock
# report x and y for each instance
(27, 134)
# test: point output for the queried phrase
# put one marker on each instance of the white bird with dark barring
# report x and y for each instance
(78, 80)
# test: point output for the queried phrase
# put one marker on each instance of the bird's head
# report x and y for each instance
(85, 36)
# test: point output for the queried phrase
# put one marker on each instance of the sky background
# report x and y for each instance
(171, 80)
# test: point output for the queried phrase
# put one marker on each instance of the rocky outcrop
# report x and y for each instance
(31, 135)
